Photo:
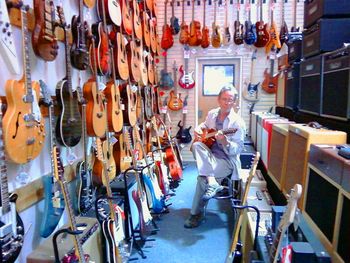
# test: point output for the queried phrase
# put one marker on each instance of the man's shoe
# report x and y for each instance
(194, 221)
(212, 190)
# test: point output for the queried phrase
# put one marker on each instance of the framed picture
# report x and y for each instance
(217, 76)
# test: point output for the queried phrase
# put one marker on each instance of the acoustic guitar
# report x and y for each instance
(44, 41)
(262, 33)
(216, 37)
(250, 29)
(274, 35)
(227, 34)
(149, 4)
(143, 67)
(129, 98)
(205, 30)
(195, 37)
(121, 155)
(167, 37)
(112, 10)
(23, 125)
(150, 68)
(174, 21)
(133, 51)
(270, 82)
(137, 20)
(145, 19)
(184, 30)
(175, 103)
(119, 56)
(127, 21)
(101, 54)
(152, 33)
(238, 34)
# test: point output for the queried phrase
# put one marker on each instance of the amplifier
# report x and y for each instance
(259, 196)
(301, 136)
(258, 179)
(295, 47)
(292, 87)
(254, 120)
(314, 10)
(311, 85)
(326, 35)
(336, 84)
(281, 86)
(247, 156)
(259, 128)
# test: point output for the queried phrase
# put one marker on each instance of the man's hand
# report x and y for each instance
(221, 138)
(198, 133)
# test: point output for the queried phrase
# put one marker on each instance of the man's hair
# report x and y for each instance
(228, 87)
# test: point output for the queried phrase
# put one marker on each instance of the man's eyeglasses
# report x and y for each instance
(228, 100)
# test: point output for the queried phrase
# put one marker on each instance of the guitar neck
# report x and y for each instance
(4, 195)
(238, 5)
(183, 11)
(81, 21)
(295, 14)
(274, 250)
(272, 67)
(261, 10)
(204, 15)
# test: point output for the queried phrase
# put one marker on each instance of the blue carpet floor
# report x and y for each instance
(207, 243)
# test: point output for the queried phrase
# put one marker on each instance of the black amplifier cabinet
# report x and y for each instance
(326, 35)
(294, 46)
(311, 85)
(336, 84)
(315, 9)
(292, 96)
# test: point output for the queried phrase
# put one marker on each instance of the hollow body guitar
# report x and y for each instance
(205, 30)
(167, 37)
(195, 37)
(175, 102)
(208, 136)
(184, 30)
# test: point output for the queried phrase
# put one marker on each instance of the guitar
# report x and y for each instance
(208, 135)
(68, 126)
(137, 20)
(294, 27)
(54, 202)
(195, 36)
(262, 34)
(286, 220)
(128, 96)
(112, 11)
(119, 57)
(23, 125)
(121, 154)
(95, 111)
(133, 51)
(274, 35)
(147, 98)
(186, 80)
(183, 134)
(238, 34)
(227, 35)
(175, 103)
(166, 82)
(270, 79)
(7, 45)
(89, 3)
(11, 225)
(184, 30)
(79, 54)
(216, 37)
(149, 5)
(145, 19)
(250, 29)
(167, 37)
(154, 41)
(44, 41)
(126, 17)
(143, 67)
(234, 254)
(150, 69)
(284, 28)
(174, 21)
(250, 92)
(101, 49)
(205, 30)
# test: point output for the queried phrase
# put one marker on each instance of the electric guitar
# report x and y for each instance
(174, 21)
(274, 35)
(175, 103)
(284, 27)
(227, 35)
(184, 30)
(286, 220)
(205, 30)
(44, 41)
(208, 135)
(234, 254)
(68, 126)
(183, 134)
(250, 92)
(23, 125)
(238, 34)
(167, 37)
(270, 79)
(186, 80)
(262, 34)
(7, 45)
(54, 202)
(166, 82)
(11, 225)
(216, 37)
(250, 30)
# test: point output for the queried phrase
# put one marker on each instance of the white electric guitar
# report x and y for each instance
(7, 46)
(287, 219)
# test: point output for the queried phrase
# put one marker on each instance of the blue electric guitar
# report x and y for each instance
(250, 29)
(54, 201)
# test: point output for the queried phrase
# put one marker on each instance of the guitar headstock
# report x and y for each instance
(46, 96)
(62, 21)
(289, 214)
(99, 151)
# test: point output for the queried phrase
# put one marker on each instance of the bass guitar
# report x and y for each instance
(263, 36)
(175, 103)
(24, 130)
(174, 21)
(79, 54)
(216, 37)
(44, 41)
(208, 135)
(54, 202)
(166, 81)
(250, 30)
(270, 79)
(69, 123)
(250, 92)
(195, 37)
(184, 30)
(11, 225)
(167, 37)
(205, 30)
(183, 134)
(186, 80)
(238, 34)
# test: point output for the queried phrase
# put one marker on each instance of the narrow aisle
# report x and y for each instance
(207, 243)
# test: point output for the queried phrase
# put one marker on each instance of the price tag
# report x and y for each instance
(157, 157)
(122, 106)
(184, 111)
(187, 53)
(56, 200)
(127, 159)
(101, 85)
(163, 110)
(154, 139)
(113, 140)
(133, 88)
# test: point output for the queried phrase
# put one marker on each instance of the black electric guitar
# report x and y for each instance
(11, 225)
(68, 127)
(184, 135)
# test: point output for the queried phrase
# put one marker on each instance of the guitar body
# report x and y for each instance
(137, 143)
(250, 93)
(69, 123)
(144, 226)
(227, 36)
(195, 37)
(216, 37)
(205, 37)
(113, 11)
(114, 112)
(270, 82)
(102, 49)
(150, 69)
(143, 69)
(152, 35)
(121, 155)
(18, 131)
(262, 34)
(167, 38)
(137, 20)
(166, 82)
(250, 33)
(149, 4)
(134, 61)
(10, 246)
(85, 189)
(175, 103)
(43, 38)
(108, 229)
(79, 55)
(120, 57)
(158, 203)
(183, 134)
(52, 214)
(126, 17)
(147, 97)
(174, 167)
(98, 169)
(186, 81)
(146, 29)
(238, 34)
(174, 24)
(284, 33)
(129, 99)
(184, 34)
(274, 39)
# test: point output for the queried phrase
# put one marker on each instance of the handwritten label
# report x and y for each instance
(127, 159)
(122, 106)
(187, 54)
(56, 200)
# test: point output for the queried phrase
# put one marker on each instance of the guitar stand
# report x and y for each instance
(61, 231)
